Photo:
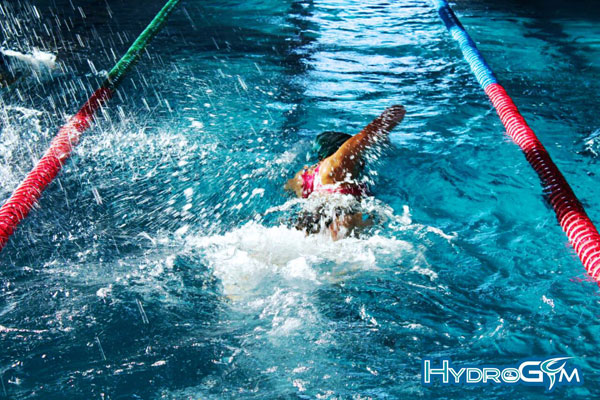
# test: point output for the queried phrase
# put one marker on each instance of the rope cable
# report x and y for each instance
(569, 211)
(24, 198)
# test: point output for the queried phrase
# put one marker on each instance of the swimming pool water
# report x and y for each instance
(161, 264)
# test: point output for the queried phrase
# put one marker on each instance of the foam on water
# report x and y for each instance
(591, 144)
(252, 259)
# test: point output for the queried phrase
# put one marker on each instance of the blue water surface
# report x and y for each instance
(162, 264)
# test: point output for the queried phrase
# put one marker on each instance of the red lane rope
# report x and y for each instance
(30, 190)
(571, 216)
(570, 213)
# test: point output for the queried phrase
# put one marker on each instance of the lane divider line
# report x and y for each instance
(24, 198)
(570, 213)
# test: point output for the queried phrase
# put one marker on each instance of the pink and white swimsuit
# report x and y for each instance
(311, 182)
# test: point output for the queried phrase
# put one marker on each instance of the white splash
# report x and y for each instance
(245, 258)
(37, 60)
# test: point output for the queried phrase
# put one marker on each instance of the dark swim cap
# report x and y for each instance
(327, 143)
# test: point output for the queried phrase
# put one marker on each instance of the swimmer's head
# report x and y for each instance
(327, 143)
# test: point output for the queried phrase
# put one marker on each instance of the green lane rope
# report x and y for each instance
(20, 203)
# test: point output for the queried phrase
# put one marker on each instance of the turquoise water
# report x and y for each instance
(161, 263)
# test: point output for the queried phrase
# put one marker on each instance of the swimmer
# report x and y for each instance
(340, 166)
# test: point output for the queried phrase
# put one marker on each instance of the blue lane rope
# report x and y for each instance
(571, 215)
(483, 72)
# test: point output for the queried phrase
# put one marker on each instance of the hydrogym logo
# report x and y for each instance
(548, 373)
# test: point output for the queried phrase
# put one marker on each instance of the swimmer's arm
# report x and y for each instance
(336, 167)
